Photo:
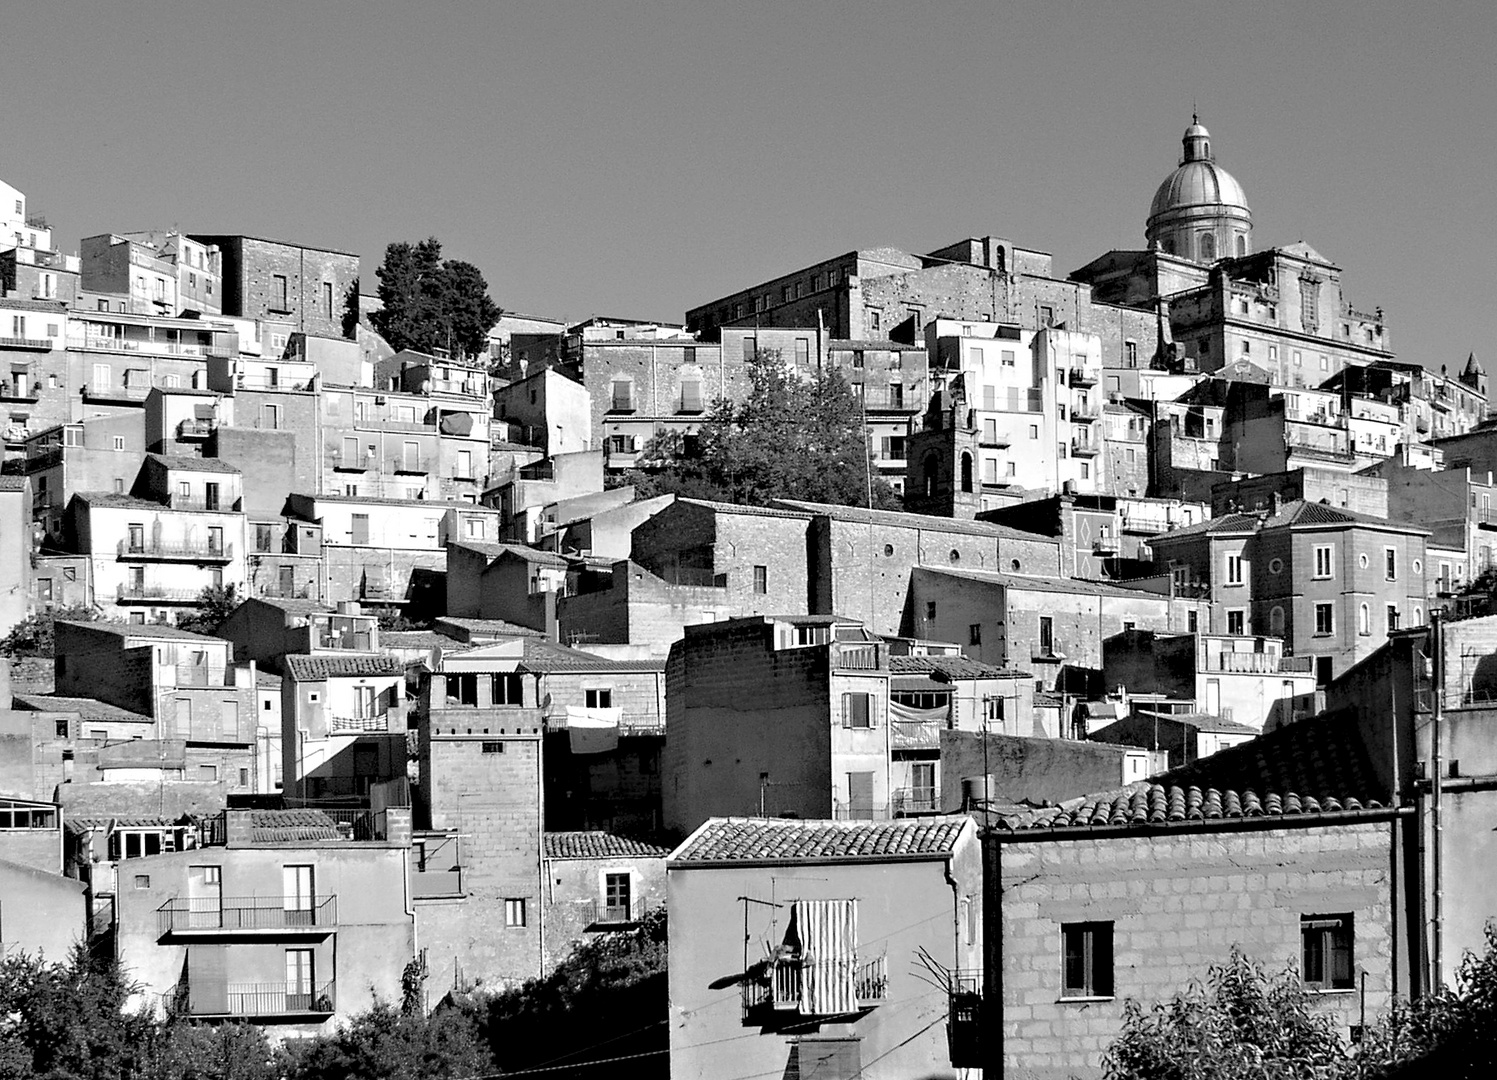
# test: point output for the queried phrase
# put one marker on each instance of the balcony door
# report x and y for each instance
(297, 899)
(923, 785)
(204, 897)
(299, 979)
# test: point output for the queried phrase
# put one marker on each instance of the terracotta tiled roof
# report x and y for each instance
(547, 656)
(599, 845)
(1322, 755)
(1227, 523)
(12, 483)
(273, 826)
(85, 824)
(1144, 805)
(188, 463)
(1300, 512)
(901, 519)
(485, 627)
(86, 708)
(737, 508)
(1072, 586)
(728, 840)
(317, 668)
(949, 668)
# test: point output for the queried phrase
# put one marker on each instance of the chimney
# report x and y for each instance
(239, 830)
(1274, 502)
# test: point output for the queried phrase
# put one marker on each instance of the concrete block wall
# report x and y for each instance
(575, 892)
(1178, 902)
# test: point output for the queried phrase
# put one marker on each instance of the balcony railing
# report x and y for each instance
(1105, 545)
(604, 914)
(210, 915)
(203, 675)
(918, 800)
(847, 657)
(33, 344)
(1245, 663)
(964, 1020)
(206, 997)
(195, 429)
(1080, 376)
(154, 594)
(343, 724)
(184, 551)
(1083, 448)
(781, 989)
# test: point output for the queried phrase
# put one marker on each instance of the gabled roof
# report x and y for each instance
(775, 840)
(86, 708)
(490, 626)
(739, 508)
(599, 845)
(534, 556)
(1226, 523)
(900, 519)
(1300, 512)
(11, 482)
(293, 606)
(318, 668)
(143, 630)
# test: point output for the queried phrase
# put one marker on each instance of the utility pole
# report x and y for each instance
(1437, 763)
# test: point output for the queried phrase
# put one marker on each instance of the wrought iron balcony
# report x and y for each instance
(189, 430)
(917, 800)
(211, 997)
(1080, 376)
(619, 915)
(1106, 545)
(154, 594)
(31, 344)
(208, 916)
(345, 725)
(195, 551)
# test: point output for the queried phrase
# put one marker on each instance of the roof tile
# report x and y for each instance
(317, 668)
(730, 840)
(599, 845)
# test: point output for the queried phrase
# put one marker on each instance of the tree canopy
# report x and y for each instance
(215, 604)
(430, 303)
(793, 437)
(35, 635)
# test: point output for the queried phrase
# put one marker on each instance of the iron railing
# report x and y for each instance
(434, 883)
(156, 594)
(339, 724)
(213, 998)
(234, 914)
(917, 800)
(186, 550)
(781, 989)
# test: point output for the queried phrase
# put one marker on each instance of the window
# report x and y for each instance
(1325, 619)
(1034, 431)
(623, 395)
(761, 580)
(494, 747)
(1130, 353)
(599, 699)
(1234, 569)
(1046, 315)
(1047, 635)
(616, 897)
(1086, 960)
(1390, 563)
(142, 881)
(327, 299)
(896, 395)
(1392, 617)
(514, 912)
(1324, 562)
(1364, 620)
(506, 689)
(691, 395)
(974, 634)
(1237, 621)
(930, 610)
(1191, 621)
(857, 711)
(1326, 948)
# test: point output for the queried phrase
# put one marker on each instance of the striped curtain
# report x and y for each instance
(827, 931)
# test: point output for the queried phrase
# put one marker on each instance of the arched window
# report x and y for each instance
(931, 469)
(1364, 620)
(1208, 247)
(1241, 244)
(1276, 622)
(967, 473)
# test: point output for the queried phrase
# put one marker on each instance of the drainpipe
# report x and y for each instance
(1437, 762)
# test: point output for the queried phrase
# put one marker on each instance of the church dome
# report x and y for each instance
(1200, 211)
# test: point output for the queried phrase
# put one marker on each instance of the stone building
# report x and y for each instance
(302, 285)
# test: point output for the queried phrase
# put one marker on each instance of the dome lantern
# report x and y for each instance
(1200, 212)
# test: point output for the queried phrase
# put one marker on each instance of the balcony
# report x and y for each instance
(411, 466)
(211, 916)
(1080, 376)
(919, 800)
(781, 988)
(28, 395)
(433, 884)
(210, 998)
(1246, 663)
(1106, 545)
(993, 440)
(1086, 414)
(1046, 654)
(1083, 448)
(202, 675)
(357, 725)
(195, 430)
(184, 551)
(964, 1020)
(276, 590)
(618, 916)
(153, 594)
(355, 462)
(29, 344)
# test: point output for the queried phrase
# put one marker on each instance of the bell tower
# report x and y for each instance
(941, 458)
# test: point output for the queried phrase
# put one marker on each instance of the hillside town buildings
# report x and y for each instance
(375, 665)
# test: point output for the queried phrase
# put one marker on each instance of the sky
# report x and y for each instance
(636, 159)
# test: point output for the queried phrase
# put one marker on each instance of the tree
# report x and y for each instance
(1240, 1025)
(67, 1021)
(793, 437)
(431, 304)
(189, 1051)
(35, 635)
(215, 604)
(388, 1044)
